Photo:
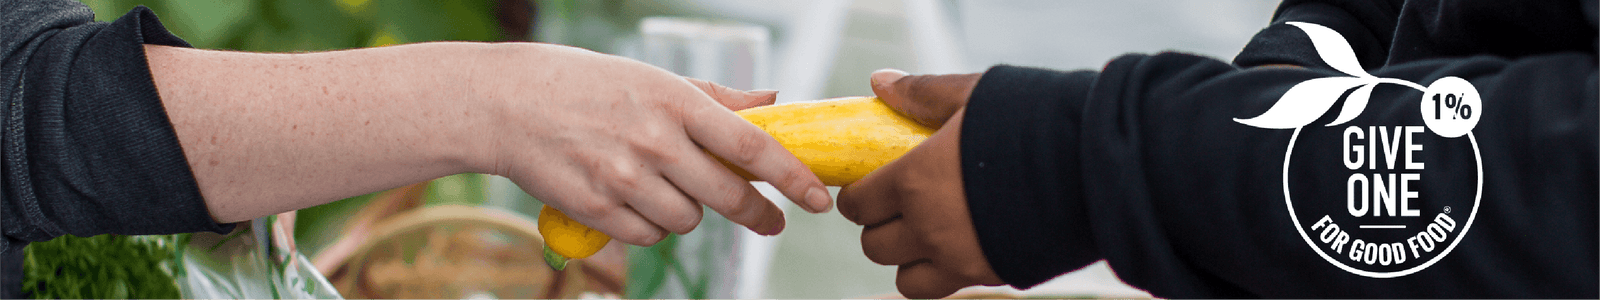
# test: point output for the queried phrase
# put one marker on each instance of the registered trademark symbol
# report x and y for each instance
(1447, 209)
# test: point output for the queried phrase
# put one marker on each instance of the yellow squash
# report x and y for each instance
(841, 140)
(566, 238)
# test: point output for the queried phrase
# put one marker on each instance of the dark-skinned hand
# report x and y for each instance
(915, 208)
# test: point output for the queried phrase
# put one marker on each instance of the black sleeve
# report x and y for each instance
(1369, 27)
(87, 146)
(1143, 165)
(1397, 31)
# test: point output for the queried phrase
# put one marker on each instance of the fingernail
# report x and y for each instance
(887, 76)
(656, 237)
(771, 230)
(818, 200)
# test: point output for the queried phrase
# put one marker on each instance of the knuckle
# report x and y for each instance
(594, 210)
(734, 202)
(717, 92)
(621, 168)
(720, 89)
(856, 199)
(649, 134)
(908, 187)
(969, 271)
(624, 175)
(878, 259)
(914, 287)
(660, 155)
(713, 89)
(797, 175)
(656, 150)
(916, 86)
(739, 210)
(684, 223)
(703, 85)
(749, 146)
(933, 238)
(913, 82)
(848, 210)
(875, 255)
(798, 179)
(626, 182)
(740, 203)
(730, 193)
(646, 237)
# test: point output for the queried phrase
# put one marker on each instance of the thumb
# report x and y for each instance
(928, 99)
(735, 99)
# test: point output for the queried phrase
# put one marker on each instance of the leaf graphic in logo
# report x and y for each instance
(1333, 49)
(1354, 104)
(1305, 102)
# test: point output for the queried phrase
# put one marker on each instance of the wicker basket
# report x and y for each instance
(460, 252)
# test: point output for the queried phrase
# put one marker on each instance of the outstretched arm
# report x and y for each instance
(1143, 165)
(614, 142)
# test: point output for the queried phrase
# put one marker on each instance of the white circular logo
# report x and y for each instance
(1401, 207)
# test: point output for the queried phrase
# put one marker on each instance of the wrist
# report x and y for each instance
(481, 84)
(456, 128)
(499, 81)
(527, 92)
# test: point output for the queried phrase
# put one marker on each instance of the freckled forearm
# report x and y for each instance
(267, 133)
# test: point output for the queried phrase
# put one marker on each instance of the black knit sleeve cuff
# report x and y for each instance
(126, 148)
(1021, 169)
(151, 31)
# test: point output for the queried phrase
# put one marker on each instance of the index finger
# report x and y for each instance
(732, 98)
(736, 141)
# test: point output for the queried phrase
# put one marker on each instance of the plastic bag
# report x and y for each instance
(254, 262)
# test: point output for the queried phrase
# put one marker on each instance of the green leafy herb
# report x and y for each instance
(102, 266)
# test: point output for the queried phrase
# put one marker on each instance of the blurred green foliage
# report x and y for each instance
(313, 25)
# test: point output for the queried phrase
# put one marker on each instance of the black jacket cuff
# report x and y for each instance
(1023, 179)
